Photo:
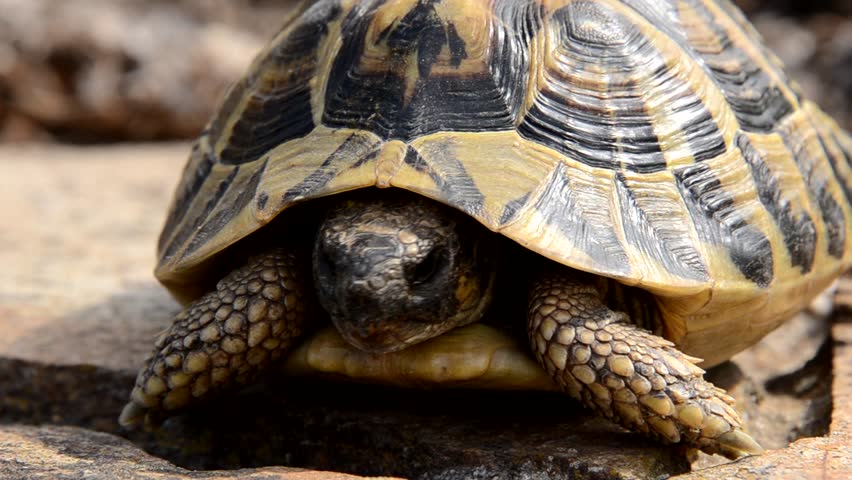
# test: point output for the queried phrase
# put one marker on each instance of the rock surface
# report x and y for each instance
(825, 457)
(79, 309)
(68, 452)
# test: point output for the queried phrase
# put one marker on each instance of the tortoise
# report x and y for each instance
(640, 177)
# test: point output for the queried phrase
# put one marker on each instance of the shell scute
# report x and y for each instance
(824, 190)
(722, 220)
(273, 105)
(753, 87)
(775, 182)
(404, 73)
(658, 228)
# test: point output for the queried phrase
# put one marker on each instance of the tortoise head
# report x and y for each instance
(394, 270)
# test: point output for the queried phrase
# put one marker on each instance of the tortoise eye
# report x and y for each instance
(429, 268)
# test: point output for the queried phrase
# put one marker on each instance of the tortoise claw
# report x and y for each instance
(132, 415)
(737, 443)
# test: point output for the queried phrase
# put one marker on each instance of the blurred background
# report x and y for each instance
(102, 71)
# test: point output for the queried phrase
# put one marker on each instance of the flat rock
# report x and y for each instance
(69, 452)
(79, 310)
(827, 457)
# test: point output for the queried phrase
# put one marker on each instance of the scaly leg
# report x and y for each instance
(626, 373)
(226, 338)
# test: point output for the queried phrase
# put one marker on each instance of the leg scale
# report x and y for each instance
(627, 374)
(225, 339)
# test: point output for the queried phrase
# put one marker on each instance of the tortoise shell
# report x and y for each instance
(658, 143)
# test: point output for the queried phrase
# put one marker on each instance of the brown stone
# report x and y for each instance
(70, 452)
(825, 457)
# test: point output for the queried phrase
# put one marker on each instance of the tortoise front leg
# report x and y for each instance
(224, 339)
(626, 373)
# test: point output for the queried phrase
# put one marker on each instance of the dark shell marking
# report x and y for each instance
(745, 79)
(386, 99)
(797, 227)
(279, 109)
